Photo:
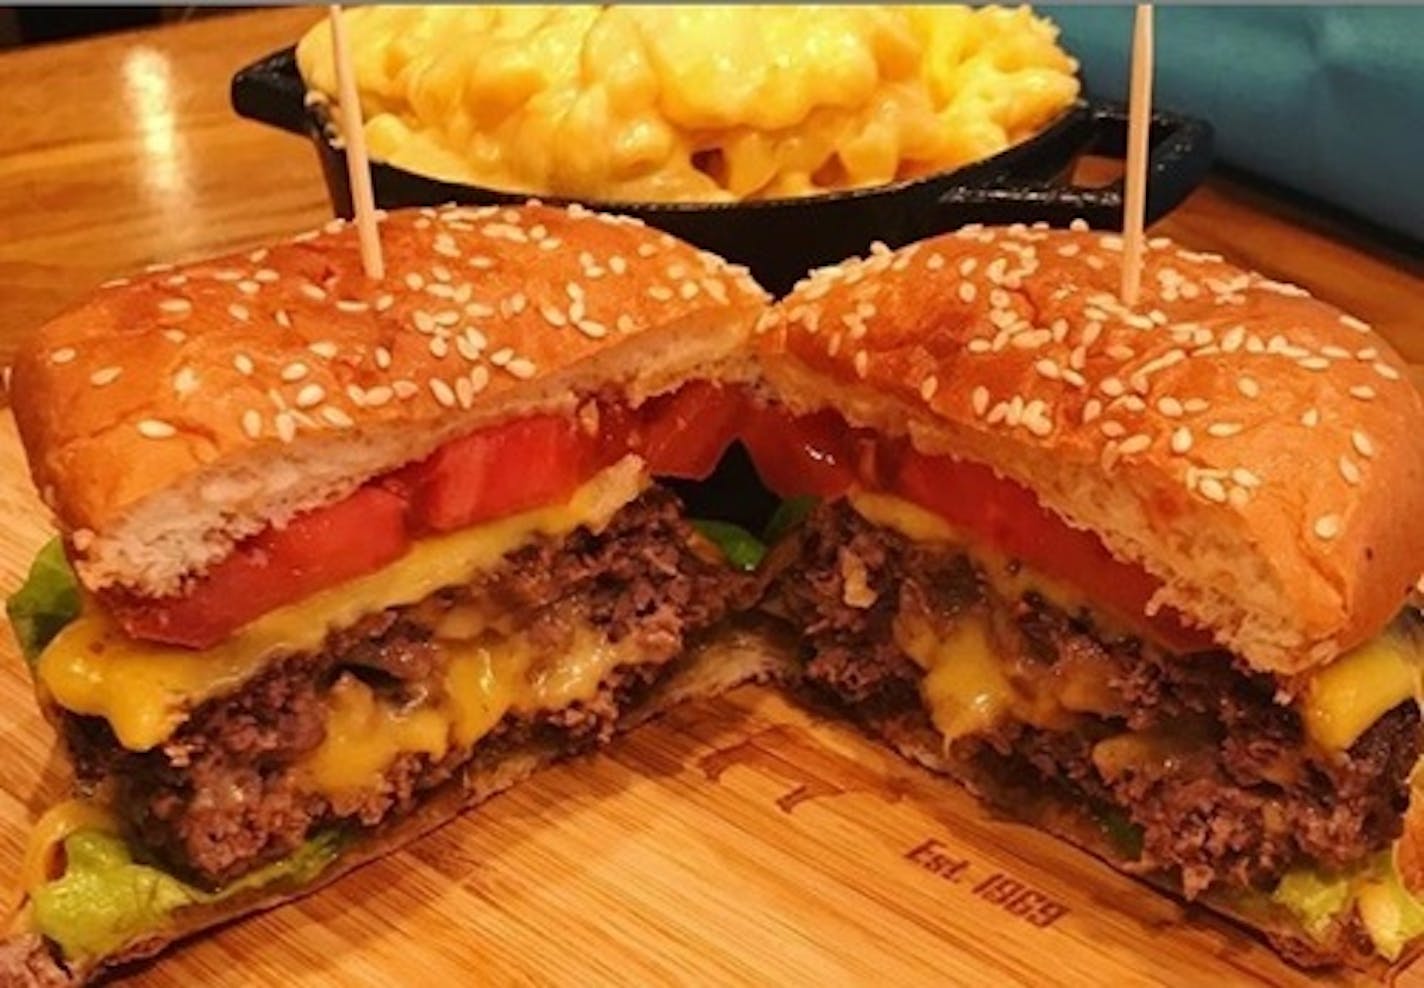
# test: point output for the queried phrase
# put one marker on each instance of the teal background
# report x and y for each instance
(1325, 100)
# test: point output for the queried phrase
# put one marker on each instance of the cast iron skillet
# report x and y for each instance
(781, 239)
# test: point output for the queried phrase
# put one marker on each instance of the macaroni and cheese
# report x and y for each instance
(694, 103)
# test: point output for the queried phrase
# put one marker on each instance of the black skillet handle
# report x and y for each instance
(1179, 156)
(271, 91)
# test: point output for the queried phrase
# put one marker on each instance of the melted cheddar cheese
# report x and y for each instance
(484, 680)
(42, 860)
(145, 691)
(1337, 705)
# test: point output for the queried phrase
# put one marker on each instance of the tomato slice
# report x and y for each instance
(497, 472)
(686, 433)
(350, 538)
(1009, 517)
(800, 455)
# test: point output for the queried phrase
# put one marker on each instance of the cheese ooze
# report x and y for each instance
(965, 689)
(146, 691)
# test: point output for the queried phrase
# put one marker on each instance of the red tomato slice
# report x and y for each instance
(497, 472)
(1010, 518)
(795, 456)
(684, 434)
(316, 550)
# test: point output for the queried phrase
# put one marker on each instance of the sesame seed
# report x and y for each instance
(310, 396)
(660, 293)
(313, 292)
(980, 400)
(356, 394)
(1363, 392)
(1181, 440)
(521, 367)
(283, 320)
(1223, 430)
(443, 393)
(176, 306)
(1068, 250)
(185, 382)
(1310, 418)
(323, 348)
(294, 371)
(1113, 430)
(1111, 386)
(1327, 527)
(286, 426)
(379, 395)
(63, 355)
(1315, 363)
(383, 358)
(439, 349)
(352, 305)
(424, 321)
(243, 363)
(1092, 408)
(174, 336)
(1135, 444)
(405, 389)
(502, 356)
(1212, 489)
(593, 330)
(1196, 405)
(1170, 407)
(1351, 322)
(248, 287)
(105, 376)
(1244, 478)
(1248, 387)
(337, 417)
(1362, 443)
(440, 272)
(1366, 353)
(1385, 371)
(252, 423)
(1349, 470)
(156, 429)
(266, 275)
(115, 283)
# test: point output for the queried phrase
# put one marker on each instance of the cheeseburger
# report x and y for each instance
(352, 555)
(1141, 576)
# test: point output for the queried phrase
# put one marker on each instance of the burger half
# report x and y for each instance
(353, 555)
(1141, 576)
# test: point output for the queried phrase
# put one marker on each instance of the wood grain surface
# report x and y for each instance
(740, 841)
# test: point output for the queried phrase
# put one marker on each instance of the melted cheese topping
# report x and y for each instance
(145, 691)
(1339, 703)
(1343, 699)
(483, 682)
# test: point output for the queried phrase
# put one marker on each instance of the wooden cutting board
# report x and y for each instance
(736, 841)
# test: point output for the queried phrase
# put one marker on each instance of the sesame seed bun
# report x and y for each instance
(1256, 449)
(174, 413)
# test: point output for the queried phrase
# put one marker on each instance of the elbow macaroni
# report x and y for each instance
(694, 103)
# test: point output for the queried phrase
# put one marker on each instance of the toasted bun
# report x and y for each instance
(171, 415)
(735, 656)
(1257, 450)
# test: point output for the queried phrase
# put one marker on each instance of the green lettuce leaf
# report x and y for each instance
(47, 602)
(106, 900)
(791, 512)
(742, 549)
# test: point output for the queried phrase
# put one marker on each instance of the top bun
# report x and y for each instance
(173, 414)
(1259, 451)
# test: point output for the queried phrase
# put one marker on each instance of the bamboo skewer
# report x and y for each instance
(1139, 120)
(358, 165)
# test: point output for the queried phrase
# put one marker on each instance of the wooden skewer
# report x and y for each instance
(358, 165)
(1139, 120)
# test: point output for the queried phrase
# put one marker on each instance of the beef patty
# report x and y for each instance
(1221, 785)
(224, 795)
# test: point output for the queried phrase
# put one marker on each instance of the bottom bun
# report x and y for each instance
(737, 656)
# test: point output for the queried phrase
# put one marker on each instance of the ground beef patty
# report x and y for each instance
(1235, 799)
(221, 796)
